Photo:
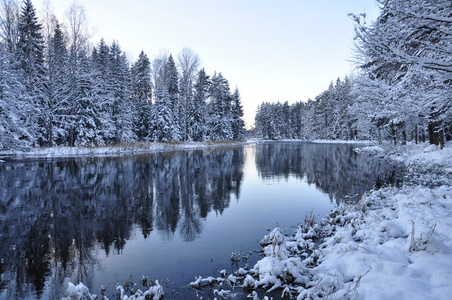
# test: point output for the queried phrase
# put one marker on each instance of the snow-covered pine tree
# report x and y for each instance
(30, 55)
(165, 119)
(165, 125)
(172, 81)
(120, 95)
(86, 131)
(18, 125)
(198, 118)
(344, 101)
(220, 116)
(103, 99)
(58, 110)
(297, 118)
(142, 93)
(238, 125)
(263, 122)
(81, 78)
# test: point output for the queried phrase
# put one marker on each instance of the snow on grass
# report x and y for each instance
(394, 243)
(121, 149)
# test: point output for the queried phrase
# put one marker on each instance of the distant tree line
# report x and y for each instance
(326, 117)
(402, 93)
(56, 89)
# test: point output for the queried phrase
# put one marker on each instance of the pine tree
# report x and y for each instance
(165, 119)
(18, 127)
(102, 95)
(57, 105)
(264, 121)
(220, 117)
(165, 125)
(142, 93)
(198, 118)
(87, 127)
(172, 82)
(30, 54)
(119, 91)
(238, 125)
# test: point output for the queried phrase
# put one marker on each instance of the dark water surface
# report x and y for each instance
(168, 216)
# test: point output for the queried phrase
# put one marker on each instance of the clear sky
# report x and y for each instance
(280, 50)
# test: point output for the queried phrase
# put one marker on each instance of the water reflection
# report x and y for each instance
(335, 169)
(54, 213)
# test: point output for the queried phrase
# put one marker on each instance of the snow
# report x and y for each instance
(393, 243)
(81, 292)
(137, 148)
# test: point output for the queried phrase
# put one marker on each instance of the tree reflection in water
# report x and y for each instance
(54, 213)
(335, 169)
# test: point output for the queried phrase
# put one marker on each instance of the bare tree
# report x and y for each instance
(158, 70)
(9, 20)
(49, 23)
(78, 31)
(189, 63)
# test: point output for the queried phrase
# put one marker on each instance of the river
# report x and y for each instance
(169, 216)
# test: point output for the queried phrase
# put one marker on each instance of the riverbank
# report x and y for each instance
(394, 243)
(139, 148)
(115, 150)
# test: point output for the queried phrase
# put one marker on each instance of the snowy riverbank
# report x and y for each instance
(394, 243)
(126, 149)
(136, 148)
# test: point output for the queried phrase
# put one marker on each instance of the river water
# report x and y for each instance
(168, 216)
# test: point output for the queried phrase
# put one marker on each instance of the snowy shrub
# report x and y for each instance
(126, 292)
(78, 292)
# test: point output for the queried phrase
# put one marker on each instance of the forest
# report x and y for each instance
(402, 90)
(57, 89)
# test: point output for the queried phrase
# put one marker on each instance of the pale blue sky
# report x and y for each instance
(285, 50)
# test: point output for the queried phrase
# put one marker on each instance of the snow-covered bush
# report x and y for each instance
(153, 292)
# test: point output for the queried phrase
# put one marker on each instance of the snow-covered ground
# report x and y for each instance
(394, 243)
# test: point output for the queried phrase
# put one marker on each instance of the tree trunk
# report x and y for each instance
(436, 134)
(394, 134)
(416, 134)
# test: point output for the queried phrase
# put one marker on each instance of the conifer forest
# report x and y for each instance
(57, 89)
